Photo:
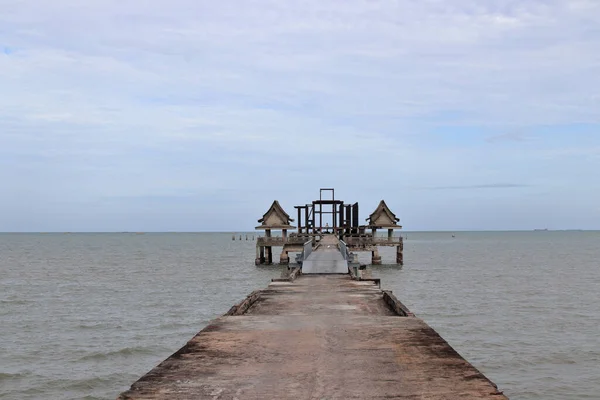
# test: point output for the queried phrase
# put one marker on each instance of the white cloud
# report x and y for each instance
(400, 57)
(183, 89)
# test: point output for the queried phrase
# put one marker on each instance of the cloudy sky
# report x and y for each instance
(193, 115)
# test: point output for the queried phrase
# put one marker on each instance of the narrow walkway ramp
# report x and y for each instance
(326, 259)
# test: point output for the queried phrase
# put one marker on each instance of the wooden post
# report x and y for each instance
(390, 234)
(269, 255)
(262, 254)
(348, 219)
(334, 217)
(306, 219)
(284, 235)
(341, 222)
(320, 217)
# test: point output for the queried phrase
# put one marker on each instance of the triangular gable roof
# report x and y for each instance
(275, 218)
(383, 212)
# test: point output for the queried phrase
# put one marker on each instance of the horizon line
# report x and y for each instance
(258, 232)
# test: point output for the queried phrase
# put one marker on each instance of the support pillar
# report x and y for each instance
(257, 259)
(306, 219)
(284, 258)
(262, 254)
(375, 257)
(390, 234)
(400, 253)
(269, 250)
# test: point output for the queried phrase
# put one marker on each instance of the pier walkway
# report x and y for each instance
(318, 337)
(327, 259)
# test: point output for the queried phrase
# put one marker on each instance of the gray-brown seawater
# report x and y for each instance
(85, 315)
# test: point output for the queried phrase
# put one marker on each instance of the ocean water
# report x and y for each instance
(82, 316)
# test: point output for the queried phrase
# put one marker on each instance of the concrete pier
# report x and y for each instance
(316, 337)
(327, 260)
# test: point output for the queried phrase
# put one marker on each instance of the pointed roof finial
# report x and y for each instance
(383, 217)
(275, 218)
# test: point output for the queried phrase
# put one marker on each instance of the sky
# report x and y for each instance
(194, 115)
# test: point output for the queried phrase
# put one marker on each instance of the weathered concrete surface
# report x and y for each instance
(327, 260)
(319, 337)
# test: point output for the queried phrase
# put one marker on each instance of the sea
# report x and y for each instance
(84, 315)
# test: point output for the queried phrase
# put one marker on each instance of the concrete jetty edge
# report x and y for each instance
(316, 337)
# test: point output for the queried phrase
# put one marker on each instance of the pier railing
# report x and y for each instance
(344, 250)
(270, 241)
(306, 251)
(350, 241)
(279, 241)
(361, 241)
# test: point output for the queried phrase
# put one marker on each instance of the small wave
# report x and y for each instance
(16, 302)
(126, 352)
(5, 376)
(91, 384)
(92, 325)
(98, 326)
(548, 359)
(178, 326)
